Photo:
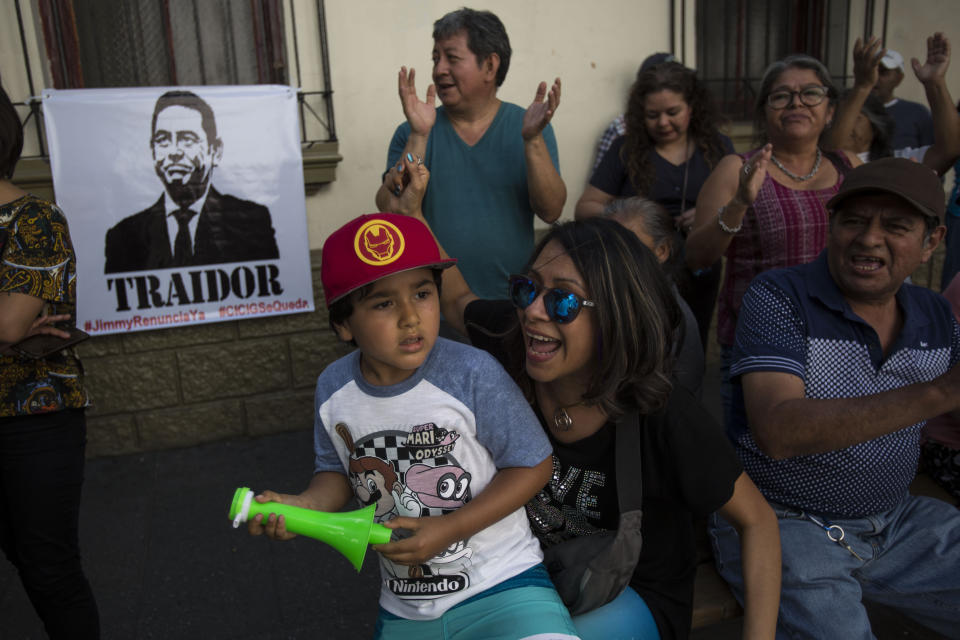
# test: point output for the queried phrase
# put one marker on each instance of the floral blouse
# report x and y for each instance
(37, 259)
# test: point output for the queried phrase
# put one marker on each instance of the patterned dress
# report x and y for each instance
(784, 227)
(37, 259)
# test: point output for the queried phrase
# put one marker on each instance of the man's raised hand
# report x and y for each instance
(421, 114)
(866, 61)
(938, 59)
(541, 110)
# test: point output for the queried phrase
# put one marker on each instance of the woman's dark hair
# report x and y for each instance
(342, 309)
(486, 35)
(882, 125)
(11, 136)
(704, 119)
(636, 315)
(772, 74)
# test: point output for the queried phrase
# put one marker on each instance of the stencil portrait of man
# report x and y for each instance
(191, 223)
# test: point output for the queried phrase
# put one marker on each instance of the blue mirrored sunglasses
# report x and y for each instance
(562, 306)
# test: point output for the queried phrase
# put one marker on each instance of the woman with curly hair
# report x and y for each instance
(671, 146)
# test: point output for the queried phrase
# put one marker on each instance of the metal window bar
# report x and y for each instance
(737, 39)
(34, 109)
(34, 115)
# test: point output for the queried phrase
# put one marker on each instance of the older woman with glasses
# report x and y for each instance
(767, 208)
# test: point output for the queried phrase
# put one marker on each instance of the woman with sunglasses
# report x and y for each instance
(767, 208)
(587, 334)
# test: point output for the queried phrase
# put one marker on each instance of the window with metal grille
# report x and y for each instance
(160, 43)
(738, 39)
(117, 43)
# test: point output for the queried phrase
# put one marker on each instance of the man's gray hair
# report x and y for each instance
(486, 35)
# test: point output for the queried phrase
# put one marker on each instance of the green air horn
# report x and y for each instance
(349, 532)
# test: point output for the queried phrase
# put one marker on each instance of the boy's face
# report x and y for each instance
(395, 325)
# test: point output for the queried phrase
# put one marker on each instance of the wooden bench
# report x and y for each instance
(713, 601)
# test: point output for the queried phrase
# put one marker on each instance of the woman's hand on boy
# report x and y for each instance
(405, 185)
(430, 536)
(411, 198)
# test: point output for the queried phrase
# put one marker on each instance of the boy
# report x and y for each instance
(438, 436)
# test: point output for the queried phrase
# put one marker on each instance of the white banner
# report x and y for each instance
(185, 204)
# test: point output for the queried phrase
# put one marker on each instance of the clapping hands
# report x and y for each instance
(541, 110)
(752, 174)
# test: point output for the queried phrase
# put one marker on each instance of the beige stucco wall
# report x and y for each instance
(595, 56)
(369, 40)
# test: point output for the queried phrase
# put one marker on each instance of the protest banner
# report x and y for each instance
(185, 204)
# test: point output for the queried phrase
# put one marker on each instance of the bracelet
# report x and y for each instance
(726, 229)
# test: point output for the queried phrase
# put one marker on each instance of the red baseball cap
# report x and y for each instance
(374, 246)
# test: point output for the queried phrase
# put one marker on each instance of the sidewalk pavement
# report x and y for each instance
(165, 562)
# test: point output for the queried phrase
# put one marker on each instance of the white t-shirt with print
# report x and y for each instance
(425, 447)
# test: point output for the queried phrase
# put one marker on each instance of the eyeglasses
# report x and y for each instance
(810, 97)
(562, 306)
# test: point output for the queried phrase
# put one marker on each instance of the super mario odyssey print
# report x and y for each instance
(414, 474)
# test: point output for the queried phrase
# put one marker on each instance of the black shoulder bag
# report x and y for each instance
(590, 571)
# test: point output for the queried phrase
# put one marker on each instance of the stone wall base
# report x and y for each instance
(181, 387)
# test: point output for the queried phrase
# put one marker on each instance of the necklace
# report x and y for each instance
(790, 174)
(561, 419)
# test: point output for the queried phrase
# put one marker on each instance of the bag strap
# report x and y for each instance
(628, 469)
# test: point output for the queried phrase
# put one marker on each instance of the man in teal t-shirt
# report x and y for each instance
(493, 164)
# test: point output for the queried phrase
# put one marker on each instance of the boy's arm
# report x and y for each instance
(509, 490)
(328, 491)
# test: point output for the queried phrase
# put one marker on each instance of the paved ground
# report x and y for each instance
(165, 562)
